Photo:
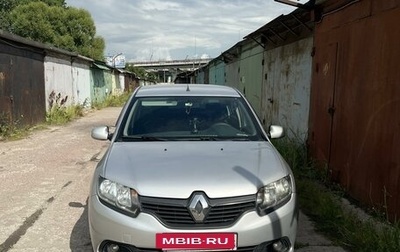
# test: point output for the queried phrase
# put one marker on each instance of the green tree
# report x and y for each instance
(7, 5)
(51, 22)
(82, 29)
(31, 21)
(60, 3)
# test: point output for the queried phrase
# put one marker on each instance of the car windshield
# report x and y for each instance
(189, 118)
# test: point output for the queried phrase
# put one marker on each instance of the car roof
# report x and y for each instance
(186, 90)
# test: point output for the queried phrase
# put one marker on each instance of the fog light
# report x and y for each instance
(112, 248)
(279, 246)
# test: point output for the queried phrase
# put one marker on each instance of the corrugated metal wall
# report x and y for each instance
(355, 101)
(286, 89)
(22, 94)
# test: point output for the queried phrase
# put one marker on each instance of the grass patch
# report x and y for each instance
(322, 202)
(59, 115)
(112, 101)
(10, 130)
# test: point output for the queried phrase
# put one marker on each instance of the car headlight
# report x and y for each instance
(119, 197)
(274, 195)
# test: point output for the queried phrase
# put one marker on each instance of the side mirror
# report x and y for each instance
(276, 131)
(101, 133)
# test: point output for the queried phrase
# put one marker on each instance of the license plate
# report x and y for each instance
(196, 241)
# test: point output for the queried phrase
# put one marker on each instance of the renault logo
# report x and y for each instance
(198, 207)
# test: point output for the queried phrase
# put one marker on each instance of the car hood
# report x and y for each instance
(177, 169)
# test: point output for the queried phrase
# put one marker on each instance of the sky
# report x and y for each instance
(154, 30)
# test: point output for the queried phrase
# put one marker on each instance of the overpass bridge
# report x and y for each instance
(168, 70)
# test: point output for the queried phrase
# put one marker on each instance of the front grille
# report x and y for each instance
(174, 212)
(263, 247)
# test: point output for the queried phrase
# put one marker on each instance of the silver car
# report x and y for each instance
(190, 168)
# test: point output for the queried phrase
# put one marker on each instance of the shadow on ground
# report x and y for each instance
(80, 237)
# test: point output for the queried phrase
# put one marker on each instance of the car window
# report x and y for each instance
(193, 118)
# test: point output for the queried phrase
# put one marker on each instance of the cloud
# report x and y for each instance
(176, 29)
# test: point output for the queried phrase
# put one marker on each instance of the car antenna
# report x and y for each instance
(187, 88)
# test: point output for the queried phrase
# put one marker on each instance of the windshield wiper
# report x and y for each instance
(232, 138)
(210, 138)
(142, 138)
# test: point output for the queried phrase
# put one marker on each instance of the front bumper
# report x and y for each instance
(108, 225)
